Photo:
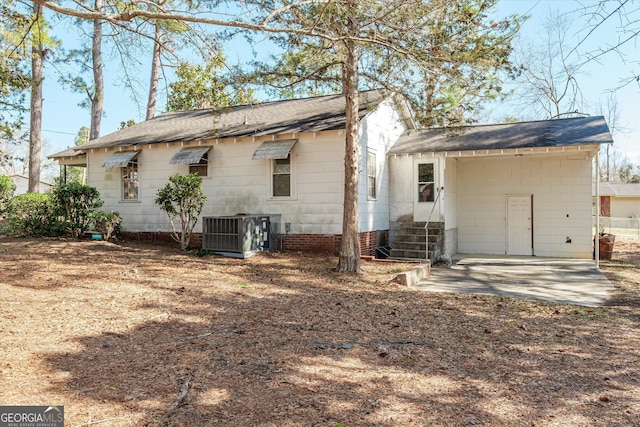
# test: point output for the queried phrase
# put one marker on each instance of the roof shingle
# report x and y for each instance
(293, 116)
(545, 133)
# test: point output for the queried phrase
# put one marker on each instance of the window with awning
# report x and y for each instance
(120, 159)
(274, 150)
(189, 155)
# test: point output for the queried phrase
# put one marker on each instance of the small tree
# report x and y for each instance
(7, 187)
(76, 202)
(182, 199)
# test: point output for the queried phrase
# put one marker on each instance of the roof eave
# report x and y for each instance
(587, 149)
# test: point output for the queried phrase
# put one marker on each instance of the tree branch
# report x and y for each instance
(292, 6)
(183, 392)
(597, 25)
(130, 15)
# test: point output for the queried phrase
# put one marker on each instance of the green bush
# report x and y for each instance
(182, 199)
(33, 214)
(106, 223)
(7, 187)
(75, 203)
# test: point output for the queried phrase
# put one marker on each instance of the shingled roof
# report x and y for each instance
(534, 134)
(293, 116)
(619, 189)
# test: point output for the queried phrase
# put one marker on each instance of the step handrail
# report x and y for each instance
(426, 226)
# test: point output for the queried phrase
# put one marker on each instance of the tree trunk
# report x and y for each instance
(35, 126)
(97, 99)
(349, 256)
(155, 72)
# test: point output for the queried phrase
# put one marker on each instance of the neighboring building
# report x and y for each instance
(22, 185)
(515, 189)
(619, 200)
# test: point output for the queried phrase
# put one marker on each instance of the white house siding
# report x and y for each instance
(451, 206)
(561, 189)
(404, 188)
(379, 130)
(318, 168)
(153, 170)
(236, 184)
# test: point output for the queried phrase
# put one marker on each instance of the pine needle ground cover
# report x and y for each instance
(141, 335)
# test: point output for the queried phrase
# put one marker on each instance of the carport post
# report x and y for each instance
(596, 239)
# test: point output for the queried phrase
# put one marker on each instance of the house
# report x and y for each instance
(22, 185)
(69, 158)
(516, 189)
(619, 200)
(282, 159)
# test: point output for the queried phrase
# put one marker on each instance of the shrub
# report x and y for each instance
(33, 214)
(7, 187)
(75, 203)
(106, 223)
(182, 199)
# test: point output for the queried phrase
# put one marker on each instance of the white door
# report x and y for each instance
(519, 225)
(425, 191)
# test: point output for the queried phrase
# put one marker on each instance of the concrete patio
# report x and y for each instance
(568, 281)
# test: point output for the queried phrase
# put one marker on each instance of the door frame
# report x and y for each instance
(421, 210)
(531, 221)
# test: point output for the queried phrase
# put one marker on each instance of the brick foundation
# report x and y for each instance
(368, 243)
(318, 243)
(327, 243)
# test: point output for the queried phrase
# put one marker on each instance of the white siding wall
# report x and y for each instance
(236, 184)
(404, 187)
(379, 131)
(451, 206)
(561, 191)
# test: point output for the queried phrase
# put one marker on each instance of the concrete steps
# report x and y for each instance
(411, 241)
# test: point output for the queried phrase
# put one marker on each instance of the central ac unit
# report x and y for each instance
(241, 236)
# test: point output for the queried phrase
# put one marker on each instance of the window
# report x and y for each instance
(371, 175)
(282, 177)
(425, 182)
(130, 180)
(197, 158)
(202, 167)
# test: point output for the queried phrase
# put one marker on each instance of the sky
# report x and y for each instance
(63, 118)
(597, 79)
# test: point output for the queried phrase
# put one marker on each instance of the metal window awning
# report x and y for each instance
(274, 149)
(189, 155)
(119, 159)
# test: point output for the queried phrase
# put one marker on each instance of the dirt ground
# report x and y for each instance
(139, 335)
